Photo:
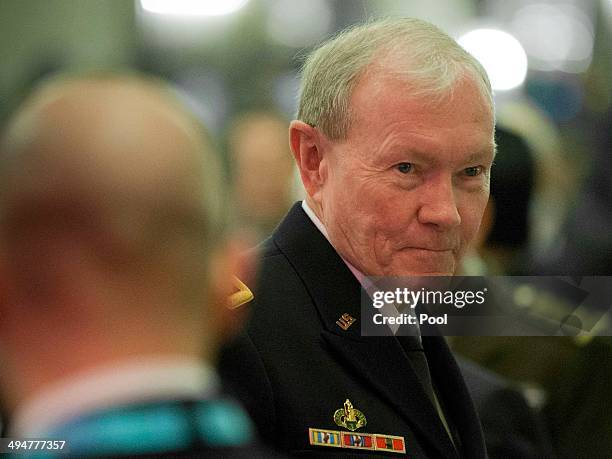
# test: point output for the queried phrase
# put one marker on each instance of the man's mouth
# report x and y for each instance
(432, 249)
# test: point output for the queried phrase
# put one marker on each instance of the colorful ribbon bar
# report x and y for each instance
(367, 441)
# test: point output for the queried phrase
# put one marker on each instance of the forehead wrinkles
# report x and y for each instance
(381, 104)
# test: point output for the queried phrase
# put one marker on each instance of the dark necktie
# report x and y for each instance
(416, 355)
(413, 349)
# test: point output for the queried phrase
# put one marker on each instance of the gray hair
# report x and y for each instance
(421, 53)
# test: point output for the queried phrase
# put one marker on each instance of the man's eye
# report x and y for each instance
(404, 168)
(473, 171)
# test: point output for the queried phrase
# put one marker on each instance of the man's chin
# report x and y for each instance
(416, 278)
(420, 271)
(424, 274)
(420, 262)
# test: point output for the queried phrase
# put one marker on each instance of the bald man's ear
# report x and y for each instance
(306, 145)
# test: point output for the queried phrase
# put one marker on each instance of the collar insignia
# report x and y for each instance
(345, 321)
(241, 295)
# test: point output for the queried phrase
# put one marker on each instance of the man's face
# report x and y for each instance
(405, 192)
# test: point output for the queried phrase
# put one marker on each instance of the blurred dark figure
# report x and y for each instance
(585, 247)
(580, 401)
(567, 379)
(502, 243)
(110, 222)
(512, 185)
(262, 169)
(511, 426)
(579, 405)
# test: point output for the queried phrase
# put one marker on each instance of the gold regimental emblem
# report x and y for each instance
(241, 295)
(349, 417)
(345, 321)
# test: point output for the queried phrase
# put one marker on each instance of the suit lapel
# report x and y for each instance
(378, 360)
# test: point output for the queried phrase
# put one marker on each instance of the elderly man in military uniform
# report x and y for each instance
(394, 144)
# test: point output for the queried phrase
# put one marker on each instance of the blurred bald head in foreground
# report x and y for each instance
(110, 217)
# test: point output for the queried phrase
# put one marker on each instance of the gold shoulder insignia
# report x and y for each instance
(241, 296)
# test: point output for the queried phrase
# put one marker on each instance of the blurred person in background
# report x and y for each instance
(551, 176)
(564, 380)
(114, 272)
(585, 247)
(394, 142)
(512, 426)
(502, 244)
(579, 407)
(262, 169)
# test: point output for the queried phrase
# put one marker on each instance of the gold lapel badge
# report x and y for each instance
(241, 295)
(349, 418)
(345, 321)
(352, 419)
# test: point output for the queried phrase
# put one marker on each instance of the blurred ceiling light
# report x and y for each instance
(192, 8)
(299, 24)
(556, 37)
(502, 56)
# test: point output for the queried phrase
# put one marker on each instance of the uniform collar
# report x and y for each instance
(364, 281)
(321, 227)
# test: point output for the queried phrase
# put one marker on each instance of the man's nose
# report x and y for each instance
(438, 205)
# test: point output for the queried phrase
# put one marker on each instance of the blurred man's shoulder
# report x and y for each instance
(217, 427)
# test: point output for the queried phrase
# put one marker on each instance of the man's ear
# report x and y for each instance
(306, 145)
